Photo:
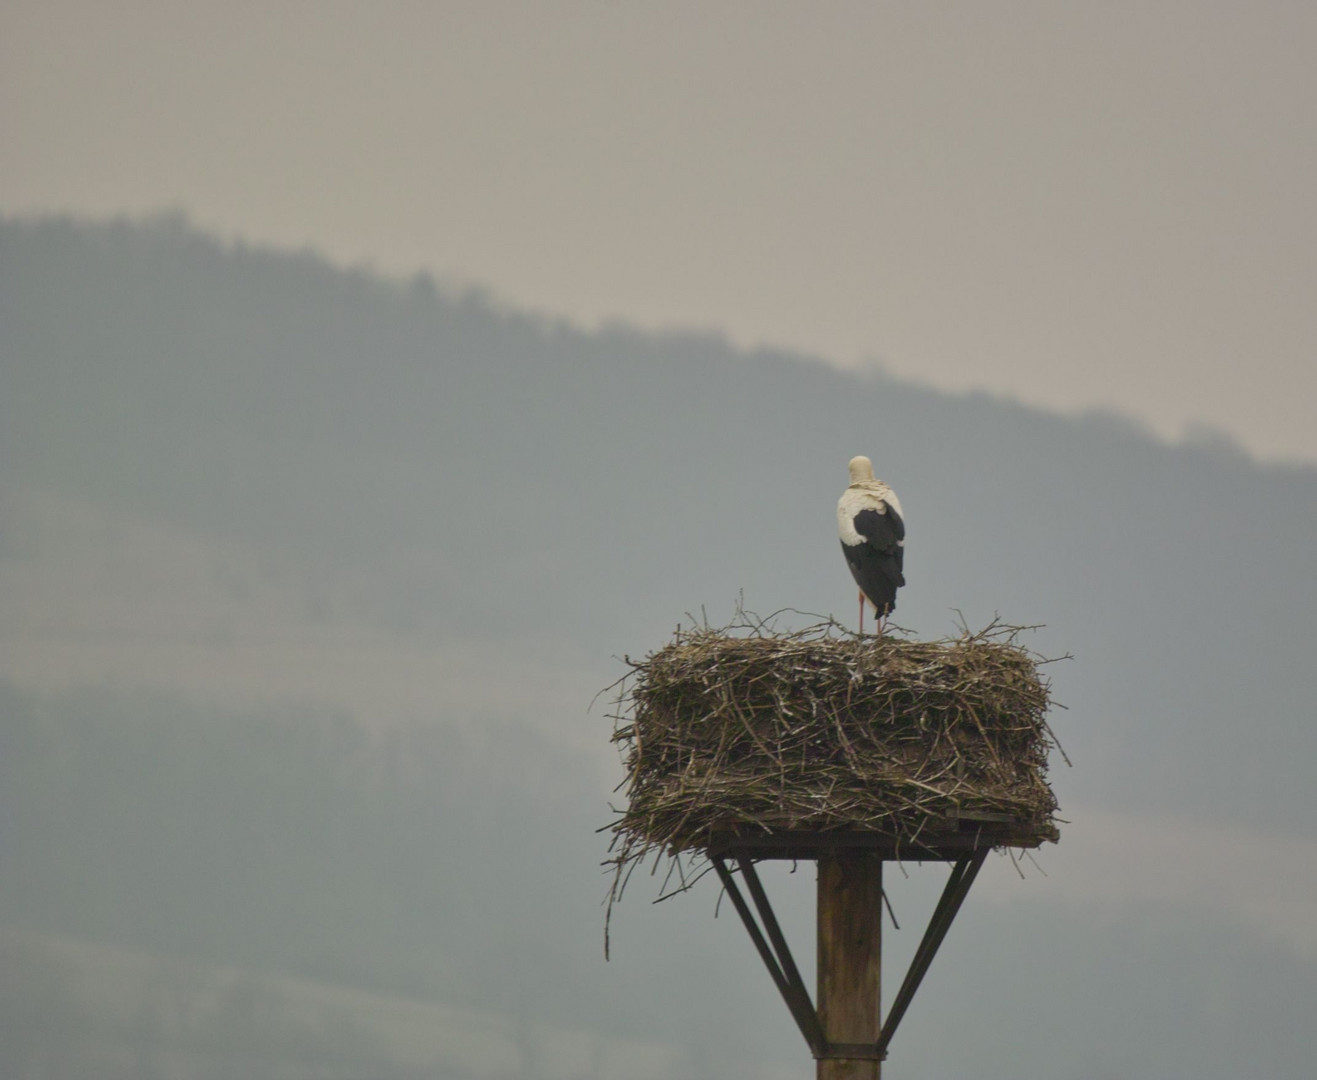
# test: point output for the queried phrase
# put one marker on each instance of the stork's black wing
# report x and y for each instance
(884, 533)
(877, 564)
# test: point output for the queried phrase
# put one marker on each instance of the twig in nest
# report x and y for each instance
(748, 729)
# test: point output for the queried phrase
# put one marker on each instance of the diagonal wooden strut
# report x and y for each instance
(776, 955)
(953, 895)
(777, 958)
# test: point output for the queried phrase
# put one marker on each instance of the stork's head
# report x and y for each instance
(861, 470)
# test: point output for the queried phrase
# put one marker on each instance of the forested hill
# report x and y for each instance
(346, 558)
(492, 470)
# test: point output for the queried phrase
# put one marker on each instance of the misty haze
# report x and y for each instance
(308, 578)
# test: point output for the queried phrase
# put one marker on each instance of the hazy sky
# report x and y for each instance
(1076, 204)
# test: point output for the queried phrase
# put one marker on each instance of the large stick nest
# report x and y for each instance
(743, 731)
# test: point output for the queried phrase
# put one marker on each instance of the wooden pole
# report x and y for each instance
(850, 897)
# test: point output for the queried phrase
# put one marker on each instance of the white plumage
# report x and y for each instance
(871, 526)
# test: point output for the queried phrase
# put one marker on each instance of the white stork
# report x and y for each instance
(872, 538)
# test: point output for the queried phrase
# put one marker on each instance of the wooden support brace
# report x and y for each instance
(845, 1034)
(953, 895)
(776, 958)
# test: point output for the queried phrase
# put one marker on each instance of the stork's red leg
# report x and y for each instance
(861, 611)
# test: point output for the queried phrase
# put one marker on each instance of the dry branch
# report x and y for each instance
(742, 730)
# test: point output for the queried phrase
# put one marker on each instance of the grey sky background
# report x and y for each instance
(1078, 205)
(1082, 206)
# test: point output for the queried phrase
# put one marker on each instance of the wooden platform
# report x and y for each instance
(951, 840)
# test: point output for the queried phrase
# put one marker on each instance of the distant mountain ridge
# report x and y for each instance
(230, 463)
(493, 468)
